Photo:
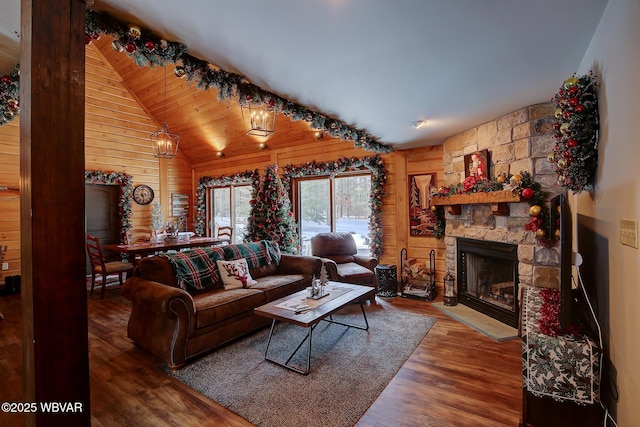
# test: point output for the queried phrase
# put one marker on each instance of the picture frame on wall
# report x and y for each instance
(422, 221)
(477, 165)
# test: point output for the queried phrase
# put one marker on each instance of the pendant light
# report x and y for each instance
(163, 142)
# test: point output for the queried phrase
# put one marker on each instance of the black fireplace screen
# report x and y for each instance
(488, 278)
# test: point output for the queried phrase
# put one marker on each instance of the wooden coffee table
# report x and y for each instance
(284, 310)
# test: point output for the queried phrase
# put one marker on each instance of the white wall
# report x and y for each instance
(614, 55)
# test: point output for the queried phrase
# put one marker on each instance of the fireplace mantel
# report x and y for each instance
(497, 199)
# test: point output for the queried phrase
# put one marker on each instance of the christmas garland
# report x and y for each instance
(147, 49)
(206, 182)
(10, 96)
(523, 184)
(379, 172)
(125, 181)
(575, 154)
(549, 321)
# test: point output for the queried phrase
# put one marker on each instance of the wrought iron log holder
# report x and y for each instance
(416, 282)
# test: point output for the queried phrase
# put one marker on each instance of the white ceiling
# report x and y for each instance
(376, 64)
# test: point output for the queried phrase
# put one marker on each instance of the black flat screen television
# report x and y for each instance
(561, 229)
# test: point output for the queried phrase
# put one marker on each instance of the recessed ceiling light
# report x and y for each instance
(419, 123)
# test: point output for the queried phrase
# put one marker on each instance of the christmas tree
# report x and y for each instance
(271, 217)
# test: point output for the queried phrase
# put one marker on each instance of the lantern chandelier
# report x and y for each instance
(259, 120)
(163, 142)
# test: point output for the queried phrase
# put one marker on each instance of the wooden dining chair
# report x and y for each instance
(225, 232)
(101, 266)
(3, 250)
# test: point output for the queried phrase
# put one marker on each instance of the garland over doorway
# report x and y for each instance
(125, 181)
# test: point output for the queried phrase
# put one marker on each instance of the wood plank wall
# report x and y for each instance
(10, 202)
(399, 164)
(117, 139)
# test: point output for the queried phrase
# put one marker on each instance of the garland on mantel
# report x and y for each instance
(379, 172)
(523, 184)
(125, 181)
(147, 49)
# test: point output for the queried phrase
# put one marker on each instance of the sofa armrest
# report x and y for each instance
(156, 296)
(162, 319)
(366, 261)
(300, 264)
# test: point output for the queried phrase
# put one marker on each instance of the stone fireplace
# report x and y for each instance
(517, 142)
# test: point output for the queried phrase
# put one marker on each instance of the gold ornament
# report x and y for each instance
(571, 82)
(562, 163)
(558, 113)
(515, 178)
(434, 208)
(8, 114)
(556, 233)
(535, 210)
(134, 32)
(564, 128)
(540, 232)
(551, 157)
(163, 44)
(501, 179)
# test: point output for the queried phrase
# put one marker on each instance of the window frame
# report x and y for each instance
(210, 207)
(296, 197)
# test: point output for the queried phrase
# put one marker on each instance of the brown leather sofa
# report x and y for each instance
(341, 260)
(176, 325)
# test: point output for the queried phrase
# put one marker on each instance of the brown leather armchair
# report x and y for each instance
(341, 260)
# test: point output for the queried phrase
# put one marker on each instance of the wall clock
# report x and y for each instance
(143, 194)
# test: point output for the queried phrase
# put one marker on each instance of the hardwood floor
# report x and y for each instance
(455, 377)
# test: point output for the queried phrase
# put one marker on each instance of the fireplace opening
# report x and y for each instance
(488, 278)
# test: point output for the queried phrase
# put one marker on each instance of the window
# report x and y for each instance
(339, 203)
(230, 206)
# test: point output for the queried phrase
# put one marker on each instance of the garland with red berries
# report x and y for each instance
(575, 154)
(523, 184)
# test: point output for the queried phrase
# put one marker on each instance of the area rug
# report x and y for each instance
(478, 321)
(349, 369)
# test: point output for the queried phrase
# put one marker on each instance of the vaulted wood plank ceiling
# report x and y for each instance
(206, 125)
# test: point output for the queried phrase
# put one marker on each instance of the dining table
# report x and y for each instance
(144, 249)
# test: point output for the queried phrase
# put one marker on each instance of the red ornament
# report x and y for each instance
(150, 45)
(96, 36)
(87, 39)
(566, 154)
(5, 80)
(572, 143)
(573, 90)
(556, 126)
(566, 114)
(579, 108)
(130, 47)
(527, 193)
(573, 101)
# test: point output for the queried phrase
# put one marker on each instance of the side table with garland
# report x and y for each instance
(560, 374)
